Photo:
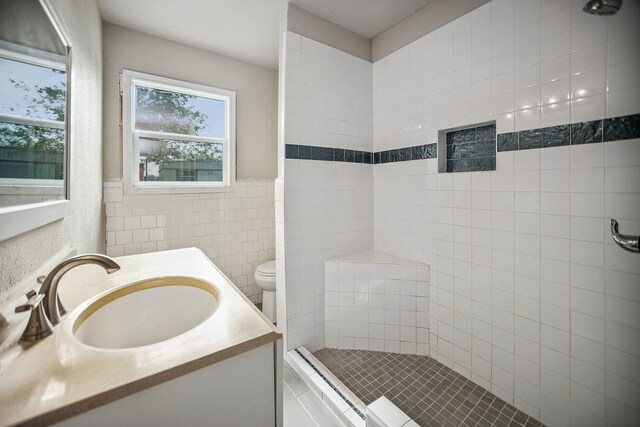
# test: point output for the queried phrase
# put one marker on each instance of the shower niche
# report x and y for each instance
(467, 148)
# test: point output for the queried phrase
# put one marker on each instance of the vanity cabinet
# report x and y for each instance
(239, 391)
(134, 367)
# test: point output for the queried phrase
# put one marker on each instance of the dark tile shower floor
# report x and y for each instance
(427, 391)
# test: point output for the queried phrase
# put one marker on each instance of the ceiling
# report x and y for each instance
(365, 17)
(243, 29)
(248, 29)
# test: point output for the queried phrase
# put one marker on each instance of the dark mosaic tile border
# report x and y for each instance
(613, 129)
(308, 152)
(427, 391)
(328, 381)
(617, 128)
(417, 152)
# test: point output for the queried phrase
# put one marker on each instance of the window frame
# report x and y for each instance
(45, 60)
(23, 218)
(128, 81)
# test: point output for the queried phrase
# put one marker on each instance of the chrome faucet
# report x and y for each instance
(53, 308)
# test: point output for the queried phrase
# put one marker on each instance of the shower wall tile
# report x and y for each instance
(622, 128)
(524, 277)
(328, 207)
(586, 132)
(327, 200)
(556, 136)
(380, 306)
(507, 141)
(529, 139)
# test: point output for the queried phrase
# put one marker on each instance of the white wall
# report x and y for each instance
(327, 206)
(81, 228)
(234, 228)
(530, 298)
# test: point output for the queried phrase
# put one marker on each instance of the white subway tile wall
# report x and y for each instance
(328, 96)
(377, 306)
(235, 229)
(328, 212)
(529, 296)
(327, 207)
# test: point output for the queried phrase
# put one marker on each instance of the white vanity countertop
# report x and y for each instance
(59, 377)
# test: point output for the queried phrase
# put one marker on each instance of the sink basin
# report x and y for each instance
(146, 312)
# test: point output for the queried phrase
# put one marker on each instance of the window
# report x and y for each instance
(177, 135)
(33, 92)
(35, 80)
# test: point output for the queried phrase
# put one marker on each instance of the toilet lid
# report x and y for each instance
(267, 268)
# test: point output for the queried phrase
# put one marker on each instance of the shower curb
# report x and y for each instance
(343, 403)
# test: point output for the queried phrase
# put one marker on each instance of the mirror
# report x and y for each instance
(34, 82)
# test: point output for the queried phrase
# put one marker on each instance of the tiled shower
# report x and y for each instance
(529, 297)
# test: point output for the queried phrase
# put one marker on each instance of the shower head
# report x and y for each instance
(602, 7)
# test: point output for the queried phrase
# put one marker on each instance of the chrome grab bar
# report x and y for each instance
(629, 243)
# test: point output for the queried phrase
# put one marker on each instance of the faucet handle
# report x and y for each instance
(33, 301)
(38, 326)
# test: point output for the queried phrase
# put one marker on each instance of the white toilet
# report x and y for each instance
(266, 278)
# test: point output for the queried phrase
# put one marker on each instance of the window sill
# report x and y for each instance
(172, 189)
(17, 220)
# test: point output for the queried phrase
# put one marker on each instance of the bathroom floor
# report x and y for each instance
(426, 390)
